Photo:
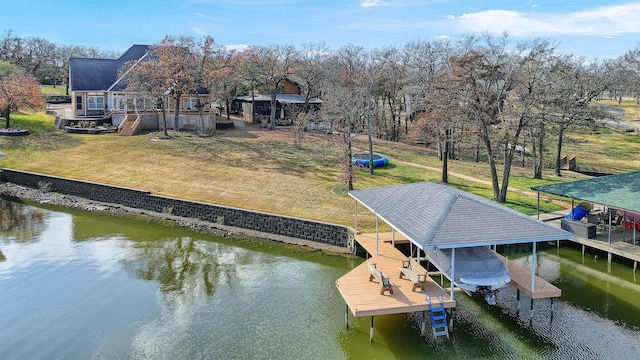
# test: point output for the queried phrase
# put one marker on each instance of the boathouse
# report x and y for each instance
(430, 216)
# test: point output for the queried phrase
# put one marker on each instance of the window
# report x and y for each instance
(189, 103)
(95, 102)
(79, 102)
(120, 102)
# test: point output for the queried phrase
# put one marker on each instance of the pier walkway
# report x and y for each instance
(621, 241)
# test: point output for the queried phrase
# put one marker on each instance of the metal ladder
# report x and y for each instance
(438, 316)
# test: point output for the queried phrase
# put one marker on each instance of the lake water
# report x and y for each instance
(84, 286)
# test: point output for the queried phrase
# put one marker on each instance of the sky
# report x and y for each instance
(592, 29)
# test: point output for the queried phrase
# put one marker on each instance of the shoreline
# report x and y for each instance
(40, 197)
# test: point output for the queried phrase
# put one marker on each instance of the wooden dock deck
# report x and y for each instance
(363, 296)
(625, 243)
(521, 280)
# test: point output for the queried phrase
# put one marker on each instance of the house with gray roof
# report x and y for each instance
(93, 82)
(98, 92)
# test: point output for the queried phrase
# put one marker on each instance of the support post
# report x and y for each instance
(624, 228)
(551, 311)
(451, 314)
(355, 216)
(533, 268)
(610, 257)
(371, 330)
(453, 269)
(346, 316)
(531, 313)
(377, 234)
(393, 237)
(423, 326)
(609, 211)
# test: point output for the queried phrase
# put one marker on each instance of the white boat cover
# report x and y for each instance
(476, 268)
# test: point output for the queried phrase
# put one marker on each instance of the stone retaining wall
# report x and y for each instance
(325, 233)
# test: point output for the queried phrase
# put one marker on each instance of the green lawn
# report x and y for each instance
(262, 170)
(51, 90)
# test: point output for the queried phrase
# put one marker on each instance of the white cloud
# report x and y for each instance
(236, 47)
(371, 3)
(199, 31)
(604, 21)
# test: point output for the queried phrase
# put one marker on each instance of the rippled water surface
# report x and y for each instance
(82, 286)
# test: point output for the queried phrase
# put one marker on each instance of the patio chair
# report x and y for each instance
(617, 221)
(604, 217)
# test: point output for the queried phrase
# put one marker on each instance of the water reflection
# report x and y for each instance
(89, 286)
(185, 265)
(19, 222)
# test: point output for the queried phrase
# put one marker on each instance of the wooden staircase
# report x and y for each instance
(130, 125)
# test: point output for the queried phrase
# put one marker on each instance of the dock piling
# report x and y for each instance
(346, 316)
(371, 330)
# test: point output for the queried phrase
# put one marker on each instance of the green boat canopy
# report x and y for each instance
(621, 192)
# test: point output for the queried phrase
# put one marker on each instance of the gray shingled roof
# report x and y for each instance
(620, 191)
(282, 98)
(437, 216)
(89, 74)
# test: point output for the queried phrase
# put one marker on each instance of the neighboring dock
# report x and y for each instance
(621, 241)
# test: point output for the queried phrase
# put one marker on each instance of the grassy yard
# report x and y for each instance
(261, 170)
(51, 90)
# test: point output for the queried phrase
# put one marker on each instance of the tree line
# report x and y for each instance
(480, 98)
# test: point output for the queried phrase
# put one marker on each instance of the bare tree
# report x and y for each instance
(426, 61)
(208, 55)
(268, 66)
(347, 102)
(177, 62)
(227, 75)
(630, 65)
(577, 83)
(148, 79)
(391, 65)
(311, 69)
(498, 88)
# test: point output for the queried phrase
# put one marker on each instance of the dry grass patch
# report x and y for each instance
(260, 169)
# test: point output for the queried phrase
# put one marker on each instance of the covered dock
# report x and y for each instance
(432, 216)
(614, 218)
